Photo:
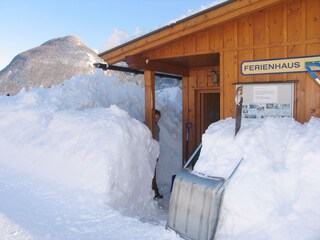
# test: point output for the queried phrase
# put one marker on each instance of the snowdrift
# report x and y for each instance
(76, 135)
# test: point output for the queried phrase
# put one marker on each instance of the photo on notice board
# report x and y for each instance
(268, 100)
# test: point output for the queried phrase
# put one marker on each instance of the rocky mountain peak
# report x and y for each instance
(48, 64)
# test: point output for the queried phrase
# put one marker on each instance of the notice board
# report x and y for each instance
(272, 99)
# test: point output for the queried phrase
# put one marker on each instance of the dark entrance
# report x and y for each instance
(208, 111)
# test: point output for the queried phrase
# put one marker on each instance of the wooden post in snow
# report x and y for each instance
(239, 100)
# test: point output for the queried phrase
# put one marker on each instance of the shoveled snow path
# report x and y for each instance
(60, 214)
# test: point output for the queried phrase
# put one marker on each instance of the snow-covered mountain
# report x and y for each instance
(48, 64)
(57, 60)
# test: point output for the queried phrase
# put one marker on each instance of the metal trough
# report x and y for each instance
(195, 205)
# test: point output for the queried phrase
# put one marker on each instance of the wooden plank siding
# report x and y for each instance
(239, 31)
(288, 29)
(187, 28)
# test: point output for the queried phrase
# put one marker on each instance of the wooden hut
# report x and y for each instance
(208, 49)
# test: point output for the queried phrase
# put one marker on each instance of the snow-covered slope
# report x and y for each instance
(48, 64)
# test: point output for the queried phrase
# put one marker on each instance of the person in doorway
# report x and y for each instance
(157, 116)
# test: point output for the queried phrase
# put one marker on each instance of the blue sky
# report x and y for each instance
(26, 24)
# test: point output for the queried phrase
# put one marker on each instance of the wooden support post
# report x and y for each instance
(185, 115)
(149, 79)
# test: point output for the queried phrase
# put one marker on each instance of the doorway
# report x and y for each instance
(208, 111)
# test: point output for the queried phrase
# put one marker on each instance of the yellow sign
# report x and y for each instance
(280, 65)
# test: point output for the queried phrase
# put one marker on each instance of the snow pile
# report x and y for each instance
(69, 149)
(11, 231)
(65, 135)
(275, 190)
(169, 101)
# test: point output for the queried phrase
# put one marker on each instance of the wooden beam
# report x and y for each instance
(138, 62)
(149, 77)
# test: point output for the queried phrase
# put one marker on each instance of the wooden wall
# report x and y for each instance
(289, 29)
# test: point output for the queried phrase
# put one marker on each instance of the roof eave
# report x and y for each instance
(167, 26)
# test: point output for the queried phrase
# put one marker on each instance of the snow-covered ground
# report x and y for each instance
(77, 163)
